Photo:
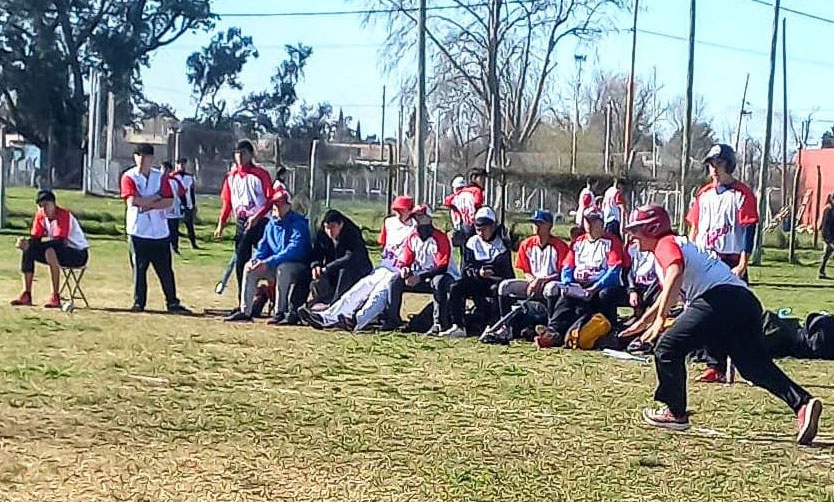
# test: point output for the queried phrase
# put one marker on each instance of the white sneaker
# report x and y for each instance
(454, 332)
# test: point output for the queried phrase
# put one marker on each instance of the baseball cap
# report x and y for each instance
(458, 182)
(280, 196)
(592, 214)
(143, 149)
(721, 152)
(541, 216)
(403, 203)
(484, 216)
(422, 210)
(245, 145)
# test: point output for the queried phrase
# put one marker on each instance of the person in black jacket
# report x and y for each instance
(827, 228)
(486, 262)
(340, 258)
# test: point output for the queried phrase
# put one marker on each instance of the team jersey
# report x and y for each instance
(720, 214)
(392, 239)
(145, 224)
(642, 271)
(64, 227)
(612, 199)
(430, 255)
(702, 270)
(463, 204)
(541, 261)
(246, 190)
(189, 185)
(178, 189)
(592, 261)
(586, 200)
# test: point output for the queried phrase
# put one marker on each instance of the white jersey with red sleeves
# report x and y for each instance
(64, 226)
(188, 184)
(246, 190)
(720, 214)
(586, 200)
(178, 189)
(702, 270)
(392, 239)
(464, 203)
(146, 224)
(612, 199)
(642, 269)
(591, 258)
(539, 260)
(429, 255)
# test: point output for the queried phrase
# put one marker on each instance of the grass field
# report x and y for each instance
(107, 405)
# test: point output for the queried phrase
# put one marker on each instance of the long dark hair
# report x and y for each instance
(335, 216)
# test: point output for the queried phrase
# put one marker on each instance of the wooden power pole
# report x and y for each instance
(784, 188)
(629, 118)
(686, 146)
(420, 185)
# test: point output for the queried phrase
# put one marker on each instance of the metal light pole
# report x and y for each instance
(579, 60)
(629, 121)
(686, 146)
(420, 186)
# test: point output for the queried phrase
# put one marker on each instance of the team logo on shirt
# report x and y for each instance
(714, 235)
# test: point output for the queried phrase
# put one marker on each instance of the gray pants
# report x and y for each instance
(292, 286)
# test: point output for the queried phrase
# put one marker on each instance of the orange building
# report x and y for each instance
(810, 183)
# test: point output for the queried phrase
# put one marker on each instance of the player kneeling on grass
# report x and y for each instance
(426, 265)
(283, 254)
(720, 313)
(65, 246)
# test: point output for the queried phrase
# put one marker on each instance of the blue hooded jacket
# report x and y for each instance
(285, 240)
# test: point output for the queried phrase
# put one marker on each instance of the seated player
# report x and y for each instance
(539, 258)
(56, 239)
(643, 285)
(486, 262)
(721, 314)
(594, 263)
(367, 299)
(426, 265)
(340, 258)
(282, 255)
(464, 200)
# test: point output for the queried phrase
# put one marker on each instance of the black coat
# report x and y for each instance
(350, 253)
(827, 225)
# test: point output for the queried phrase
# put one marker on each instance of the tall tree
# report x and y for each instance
(48, 46)
(216, 66)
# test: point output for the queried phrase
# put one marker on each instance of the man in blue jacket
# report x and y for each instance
(283, 255)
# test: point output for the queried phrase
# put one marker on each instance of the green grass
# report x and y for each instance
(103, 405)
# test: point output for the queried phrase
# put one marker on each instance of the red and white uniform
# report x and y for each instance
(464, 203)
(178, 189)
(586, 200)
(246, 191)
(701, 271)
(612, 200)
(150, 224)
(189, 185)
(590, 259)
(430, 255)
(720, 214)
(541, 261)
(392, 239)
(63, 227)
(642, 269)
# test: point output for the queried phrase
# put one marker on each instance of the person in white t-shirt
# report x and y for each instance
(174, 213)
(189, 207)
(614, 209)
(586, 201)
(720, 312)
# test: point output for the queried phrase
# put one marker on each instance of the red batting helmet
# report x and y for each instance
(652, 221)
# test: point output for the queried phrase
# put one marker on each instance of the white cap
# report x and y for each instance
(458, 182)
(485, 215)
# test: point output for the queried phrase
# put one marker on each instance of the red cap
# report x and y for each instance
(280, 196)
(403, 203)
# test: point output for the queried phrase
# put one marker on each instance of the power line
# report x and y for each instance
(363, 12)
(797, 12)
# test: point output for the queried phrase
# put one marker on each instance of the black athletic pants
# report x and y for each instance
(174, 231)
(569, 309)
(826, 255)
(480, 290)
(715, 358)
(728, 320)
(67, 256)
(438, 286)
(245, 242)
(143, 254)
(188, 219)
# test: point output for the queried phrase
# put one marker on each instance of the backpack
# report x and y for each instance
(820, 335)
(420, 322)
(586, 331)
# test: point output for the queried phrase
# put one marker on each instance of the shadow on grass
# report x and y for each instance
(793, 285)
(120, 310)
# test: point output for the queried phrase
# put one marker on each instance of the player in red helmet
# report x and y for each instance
(721, 313)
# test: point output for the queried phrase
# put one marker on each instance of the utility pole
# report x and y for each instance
(111, 126)
(784, 112)
(742, 112)
(763, 172)
(579, 60)
(654, 123)
(382, 131)
(3, 170)
(629, 121)
(687, 125)
(92, 133)
(420, 186)
(399, 154)
(433, 190)
(608, 109)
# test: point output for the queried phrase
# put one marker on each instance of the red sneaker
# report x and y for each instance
(53, 303)
(808, 420)
(711, 375)
(664, 419)
(24, 300)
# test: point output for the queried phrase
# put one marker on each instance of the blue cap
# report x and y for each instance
(542, 216)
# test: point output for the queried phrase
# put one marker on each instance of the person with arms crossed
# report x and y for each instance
(189, 208)
(147, 195)
(56, 239)
(723, 219)
(720, 313)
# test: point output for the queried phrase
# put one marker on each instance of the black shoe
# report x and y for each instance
(238, 316)
(177, 308)
(312, 319)
(346, 323)
(291, 319)
(390, 325)
(276, 320)
(137, 308)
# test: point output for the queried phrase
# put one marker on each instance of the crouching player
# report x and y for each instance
(721, 313)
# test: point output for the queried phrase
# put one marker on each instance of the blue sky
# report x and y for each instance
(345, 70)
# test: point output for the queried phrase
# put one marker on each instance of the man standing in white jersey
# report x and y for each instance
(723, 219)
(721, 313)
(614, 210)
(586, 201)
(190, 206)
